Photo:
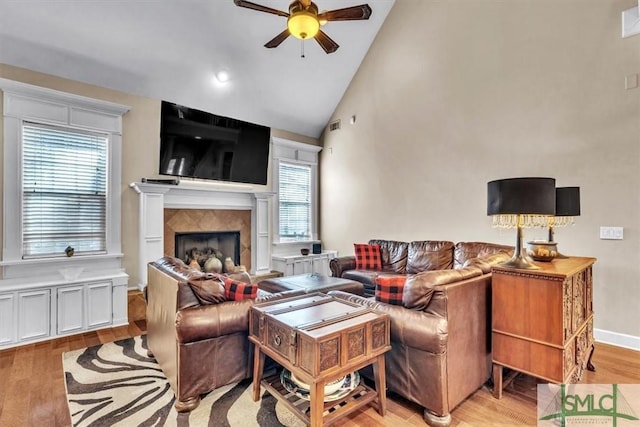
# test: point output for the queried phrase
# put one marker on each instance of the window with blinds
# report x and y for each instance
(64, 190)
(294, 195)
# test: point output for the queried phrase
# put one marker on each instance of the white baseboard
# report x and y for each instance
(617, 339)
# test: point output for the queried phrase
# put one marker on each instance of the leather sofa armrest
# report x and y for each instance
(412, 328)
(212, 320)
(342, 264)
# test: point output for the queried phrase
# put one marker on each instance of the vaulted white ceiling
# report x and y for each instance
(170, 50)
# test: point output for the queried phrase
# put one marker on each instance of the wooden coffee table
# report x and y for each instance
(319, 339)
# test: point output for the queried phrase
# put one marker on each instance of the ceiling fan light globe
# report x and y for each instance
(303, 25)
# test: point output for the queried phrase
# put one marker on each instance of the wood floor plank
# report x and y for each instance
(23, 363)
(106, 335)
(16, 408)
(6, 365)
(92, 339)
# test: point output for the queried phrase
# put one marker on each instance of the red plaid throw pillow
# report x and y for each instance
(389, 289)
(368, 257)
(234, 290)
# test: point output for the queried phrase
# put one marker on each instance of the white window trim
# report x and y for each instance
(22, 102)
(294, 152)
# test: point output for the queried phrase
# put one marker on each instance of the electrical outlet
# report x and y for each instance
(612, 233)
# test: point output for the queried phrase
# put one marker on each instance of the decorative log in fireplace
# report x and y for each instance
(202, 246)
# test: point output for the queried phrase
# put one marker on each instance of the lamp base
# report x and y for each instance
(519, 260)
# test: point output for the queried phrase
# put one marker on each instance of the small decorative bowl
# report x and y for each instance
(329, 388)
(304, 251)
(541, 250)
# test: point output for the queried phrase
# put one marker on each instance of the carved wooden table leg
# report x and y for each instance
(497, 381)
(379, 375)
(590, 365)
(258, 368)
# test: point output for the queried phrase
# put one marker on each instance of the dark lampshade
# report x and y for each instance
(521, 196)
(567, 206)
(568, 201)
(521, 202)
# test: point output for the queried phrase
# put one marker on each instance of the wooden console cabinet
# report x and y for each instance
(543, 320)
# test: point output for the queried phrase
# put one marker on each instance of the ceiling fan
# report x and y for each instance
(303, 21)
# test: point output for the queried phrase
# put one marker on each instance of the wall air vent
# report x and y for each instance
(335, 125)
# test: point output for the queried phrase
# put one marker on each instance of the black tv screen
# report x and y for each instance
(198, 144)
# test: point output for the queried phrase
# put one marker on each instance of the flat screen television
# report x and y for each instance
(198, 144)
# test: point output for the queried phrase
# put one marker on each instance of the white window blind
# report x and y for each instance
(64, 191)
(294, 195)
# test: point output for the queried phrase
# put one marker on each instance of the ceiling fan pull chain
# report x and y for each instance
(301, 48)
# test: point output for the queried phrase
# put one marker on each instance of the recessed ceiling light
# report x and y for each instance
(222, 76)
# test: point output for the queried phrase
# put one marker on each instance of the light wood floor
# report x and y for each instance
(32, 390)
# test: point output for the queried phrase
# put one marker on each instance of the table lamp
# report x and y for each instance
(521, 203)
(567, 207)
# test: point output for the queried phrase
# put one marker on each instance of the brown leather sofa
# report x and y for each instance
(440, 335)
(199, 339)
(405, 258)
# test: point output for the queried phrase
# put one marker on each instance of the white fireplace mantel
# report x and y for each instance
(154, 198)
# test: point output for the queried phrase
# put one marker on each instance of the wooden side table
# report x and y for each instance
(543, 321)
(319, 339)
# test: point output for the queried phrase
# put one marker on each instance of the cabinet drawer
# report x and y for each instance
(282, 340)
(530, 357)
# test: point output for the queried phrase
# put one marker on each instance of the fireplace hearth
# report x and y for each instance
(201, 247)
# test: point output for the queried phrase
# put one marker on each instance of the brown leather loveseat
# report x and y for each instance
(440, 334)
(199, 339)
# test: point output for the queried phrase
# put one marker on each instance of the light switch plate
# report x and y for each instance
(612, 233)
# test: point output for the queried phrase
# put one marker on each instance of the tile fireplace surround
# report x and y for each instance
(155, 198)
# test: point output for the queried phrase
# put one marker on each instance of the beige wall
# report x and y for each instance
(453, 94)
(140, 146)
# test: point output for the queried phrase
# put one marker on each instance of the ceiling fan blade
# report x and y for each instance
(326, 42)
(275, 42)
(352, 13)
(260, 8)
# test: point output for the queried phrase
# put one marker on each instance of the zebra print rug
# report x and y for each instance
(117, 384)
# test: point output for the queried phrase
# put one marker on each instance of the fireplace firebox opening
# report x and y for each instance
(212, 250)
